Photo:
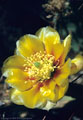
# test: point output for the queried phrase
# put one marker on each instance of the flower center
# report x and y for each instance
(40, 66)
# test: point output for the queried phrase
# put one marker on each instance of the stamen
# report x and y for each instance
(40, 65)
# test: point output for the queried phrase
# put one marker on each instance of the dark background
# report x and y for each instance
(17, 17)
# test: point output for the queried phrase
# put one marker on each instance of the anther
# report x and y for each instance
(40, 65)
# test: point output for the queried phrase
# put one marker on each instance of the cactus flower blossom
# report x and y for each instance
(38, 72)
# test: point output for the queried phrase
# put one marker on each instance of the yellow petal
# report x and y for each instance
(49, 91)
(31, 98)
(13, 62)
(62, 73)
(14, 96)
(51, 40)
(29, 44)
(50, 33)
(19, 80)
(58, 50)
(49, 105)
(63, 89)
(54, 49)
(67, 46)
(77, 64)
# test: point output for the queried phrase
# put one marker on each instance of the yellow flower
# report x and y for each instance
(38, 73)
